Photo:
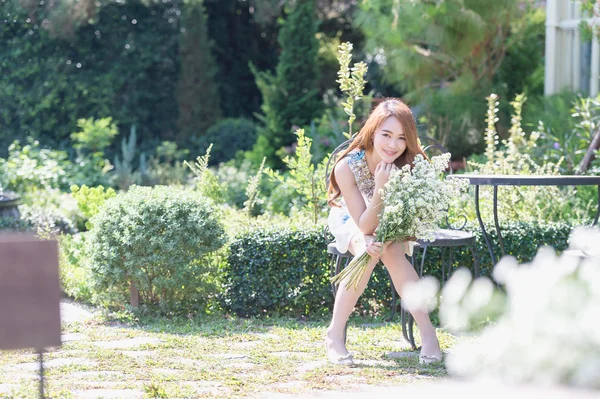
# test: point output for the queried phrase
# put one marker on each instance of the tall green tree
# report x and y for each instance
(290, 97)
(445, 55)
(240, 37)
(197, 92)
(122, 64)
(441, 43)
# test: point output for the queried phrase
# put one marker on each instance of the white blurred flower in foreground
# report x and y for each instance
(585, 240)
(422, 294)
(548, 331)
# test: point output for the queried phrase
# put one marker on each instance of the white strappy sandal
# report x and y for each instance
(427, 359)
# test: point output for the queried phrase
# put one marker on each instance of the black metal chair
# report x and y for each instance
(446, 239)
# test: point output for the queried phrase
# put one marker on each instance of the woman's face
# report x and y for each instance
(389, 141)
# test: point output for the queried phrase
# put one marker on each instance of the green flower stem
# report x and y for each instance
(354, 271)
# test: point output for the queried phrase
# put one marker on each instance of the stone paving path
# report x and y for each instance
(101, 386)
(101, 383)
(72, 313)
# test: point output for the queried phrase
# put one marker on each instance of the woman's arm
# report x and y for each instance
(365, 217)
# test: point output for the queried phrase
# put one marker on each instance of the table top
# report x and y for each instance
(530, 180)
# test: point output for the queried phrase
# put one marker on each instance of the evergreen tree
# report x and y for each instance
(291, 97)
(445, 55)
(197, 94)
(239, 39)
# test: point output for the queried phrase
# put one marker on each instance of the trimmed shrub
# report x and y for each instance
(285, 270)
(157, 238)
(521, 240)
(90, 200)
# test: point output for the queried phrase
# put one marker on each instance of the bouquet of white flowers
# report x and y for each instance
(414, 202)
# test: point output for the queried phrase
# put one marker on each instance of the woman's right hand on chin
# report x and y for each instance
(382, 173)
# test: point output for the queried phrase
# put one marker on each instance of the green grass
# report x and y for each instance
(216, 356)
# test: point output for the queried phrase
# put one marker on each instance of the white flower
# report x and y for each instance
(421, 295)
(548, 333)
(423, 197)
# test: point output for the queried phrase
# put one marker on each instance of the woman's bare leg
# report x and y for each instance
(401, 272)
(345, 301)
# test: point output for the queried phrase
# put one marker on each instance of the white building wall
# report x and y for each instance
(569, 63)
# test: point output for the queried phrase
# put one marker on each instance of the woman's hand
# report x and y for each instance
(375, 249)
(382, 173)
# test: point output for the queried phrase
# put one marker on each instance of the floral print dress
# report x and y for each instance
(341, 224)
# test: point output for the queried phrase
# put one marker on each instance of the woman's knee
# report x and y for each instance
(395, 253)
(397, 248)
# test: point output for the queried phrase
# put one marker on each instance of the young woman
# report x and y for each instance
(388, 140)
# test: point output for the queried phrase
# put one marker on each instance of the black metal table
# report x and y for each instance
(521, 180)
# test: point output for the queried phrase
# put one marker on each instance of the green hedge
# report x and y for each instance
(285, 270)
(521, 240)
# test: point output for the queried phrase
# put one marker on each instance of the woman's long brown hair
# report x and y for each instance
(392, 107)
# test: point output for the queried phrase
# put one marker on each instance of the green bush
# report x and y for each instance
(286, 270)
(166, 166)
(76, 280)
(90, 200)
(234, 180)
(48, 220)
(227, 137)
(283, 199)
(520, 239)
(30, 167)
(95, 134)
(156, 238)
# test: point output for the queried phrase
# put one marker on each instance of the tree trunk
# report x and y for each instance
(134, 296)
(589, 155)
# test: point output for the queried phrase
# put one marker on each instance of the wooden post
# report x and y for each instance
(29, 293)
